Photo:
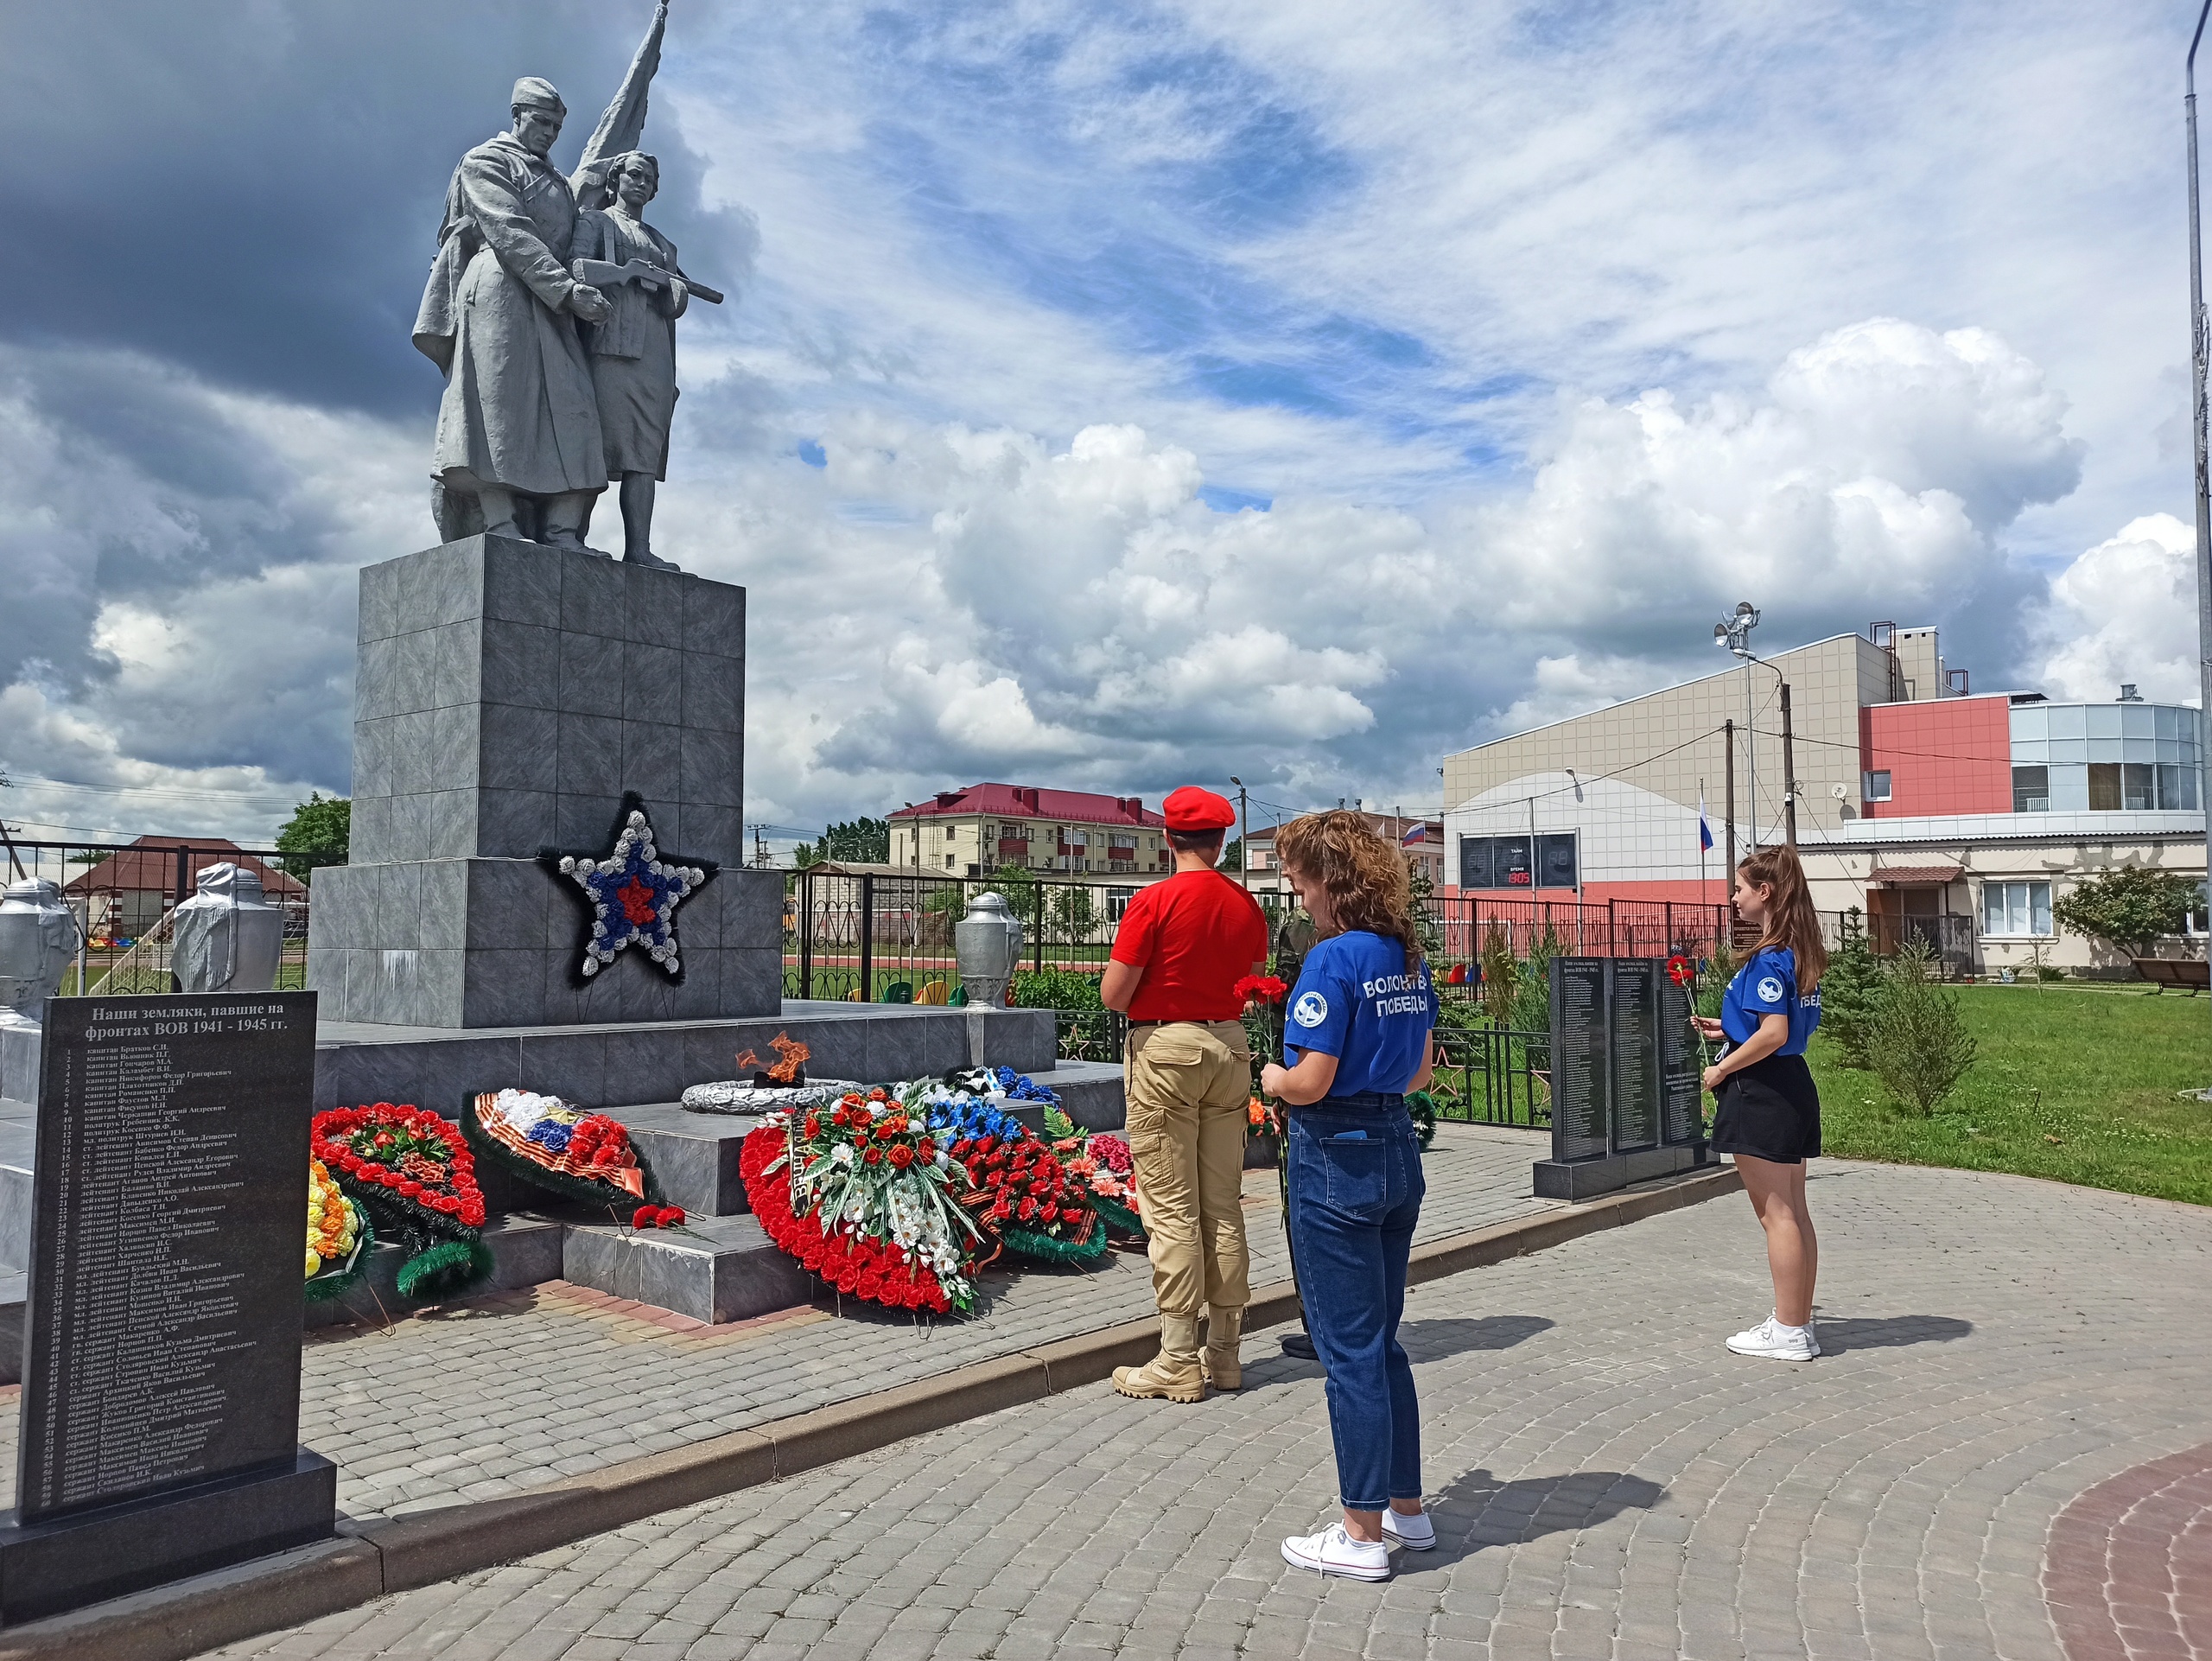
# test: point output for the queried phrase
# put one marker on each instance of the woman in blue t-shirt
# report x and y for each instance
(1358, 1037)
(1767, 1112)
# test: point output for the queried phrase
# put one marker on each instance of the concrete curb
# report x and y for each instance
(397, 1554)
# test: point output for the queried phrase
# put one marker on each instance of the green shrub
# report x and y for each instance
(2131, 907)
(1851, 993)
(1917, 1042)
(1713, 983)
(1085, 1024)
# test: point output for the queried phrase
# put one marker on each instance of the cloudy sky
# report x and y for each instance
(1119, 394)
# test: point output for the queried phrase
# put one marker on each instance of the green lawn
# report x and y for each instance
(2077, 1085)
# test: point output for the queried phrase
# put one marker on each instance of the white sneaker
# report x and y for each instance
(1334, 1552)
(1773, 1341)
(1415, 1533)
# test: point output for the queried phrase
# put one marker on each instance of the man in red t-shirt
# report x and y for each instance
(1183, 945)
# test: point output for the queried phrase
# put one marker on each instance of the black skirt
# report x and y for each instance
(1770, 1111)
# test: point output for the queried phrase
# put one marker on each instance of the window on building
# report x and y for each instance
(2104, 786)
(2015, 908)
(1117, 901)
(948, 861)
(2031, 790)
(1875, 787)
(2177, 788)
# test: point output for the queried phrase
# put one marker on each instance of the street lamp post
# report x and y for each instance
(1735, 634)
(2200, 348)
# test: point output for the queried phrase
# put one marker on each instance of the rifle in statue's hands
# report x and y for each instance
(607, 274)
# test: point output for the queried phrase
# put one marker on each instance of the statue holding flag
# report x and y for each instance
(531, 424)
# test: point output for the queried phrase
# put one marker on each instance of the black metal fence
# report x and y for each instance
(1493, 1075)
(124, 897)
(874, 939)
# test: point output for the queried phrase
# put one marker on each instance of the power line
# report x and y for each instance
(156, 790)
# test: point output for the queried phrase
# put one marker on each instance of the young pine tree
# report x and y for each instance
(1851, 993)
(1917, 1042)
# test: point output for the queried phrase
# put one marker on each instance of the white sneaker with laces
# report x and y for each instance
(1332, 1552)
(1772, 1341)
(1415, 1533)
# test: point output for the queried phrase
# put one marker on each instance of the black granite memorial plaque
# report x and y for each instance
(1581, 1067)
(161, 1405)
(1681, 1115)
(1632, 1006)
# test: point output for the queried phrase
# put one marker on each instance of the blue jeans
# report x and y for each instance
(1353, 1204)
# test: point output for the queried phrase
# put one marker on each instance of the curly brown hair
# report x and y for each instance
(1364, 874)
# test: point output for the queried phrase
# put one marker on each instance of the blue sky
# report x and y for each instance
(1112, 396)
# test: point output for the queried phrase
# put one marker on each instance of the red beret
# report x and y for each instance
(1193, 809)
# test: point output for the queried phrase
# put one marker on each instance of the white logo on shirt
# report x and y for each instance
(1311, 1009)
(1769, 990)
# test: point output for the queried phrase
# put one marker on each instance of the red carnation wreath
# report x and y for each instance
(857, 1265)
(417, 1178)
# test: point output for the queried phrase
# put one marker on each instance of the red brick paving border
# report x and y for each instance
(2127, 1566)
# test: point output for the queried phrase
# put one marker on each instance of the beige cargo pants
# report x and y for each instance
(1186, 1084)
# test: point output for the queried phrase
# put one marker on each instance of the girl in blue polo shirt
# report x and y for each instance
(1357, 1034)
(1767, 1113)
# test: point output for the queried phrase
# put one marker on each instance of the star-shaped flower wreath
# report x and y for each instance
(629, 896)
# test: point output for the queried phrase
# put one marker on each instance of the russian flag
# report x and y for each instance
(1419, 833)
(1704, 829)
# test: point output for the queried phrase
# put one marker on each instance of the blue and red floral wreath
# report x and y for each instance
(629, 894)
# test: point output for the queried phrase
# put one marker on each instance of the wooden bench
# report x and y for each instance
(2194, 974)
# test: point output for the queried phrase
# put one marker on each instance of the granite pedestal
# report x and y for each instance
(506, 695)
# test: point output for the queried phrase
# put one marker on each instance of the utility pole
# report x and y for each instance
(1728, 736)
(1243, 835)
(1788, 767)
(2200, 349)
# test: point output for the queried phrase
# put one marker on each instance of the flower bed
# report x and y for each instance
(338, 1236)
(586, 1157)
(861, 1195)
(415, 1177)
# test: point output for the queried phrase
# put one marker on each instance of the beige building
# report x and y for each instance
(1959, 816)
(972, 832)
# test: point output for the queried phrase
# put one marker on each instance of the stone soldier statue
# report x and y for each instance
(633, 351)
(518, 425)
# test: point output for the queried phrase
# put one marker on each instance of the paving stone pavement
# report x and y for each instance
(1608, 1481)
(515, 1390)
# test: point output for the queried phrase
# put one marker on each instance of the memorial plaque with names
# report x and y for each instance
(1581, 1059)
(1632, 997)
(161, 1347)
(1681, 1068)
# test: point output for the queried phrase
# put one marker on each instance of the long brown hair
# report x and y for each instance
(1791, 920)
(1364, 874)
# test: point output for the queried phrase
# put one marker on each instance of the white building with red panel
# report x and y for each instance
(1933, 810)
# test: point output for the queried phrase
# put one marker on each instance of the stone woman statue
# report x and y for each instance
(634, 351)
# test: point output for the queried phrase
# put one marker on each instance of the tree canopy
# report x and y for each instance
(2131, 907)
(320, 833)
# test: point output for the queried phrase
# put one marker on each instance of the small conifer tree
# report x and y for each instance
(1917, 1042)
(1851, 992)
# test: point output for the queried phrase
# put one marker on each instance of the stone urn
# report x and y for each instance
(38, 936)
(229, 937)
(987, 942)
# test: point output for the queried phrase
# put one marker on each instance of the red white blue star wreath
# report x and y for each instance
(630, 895)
